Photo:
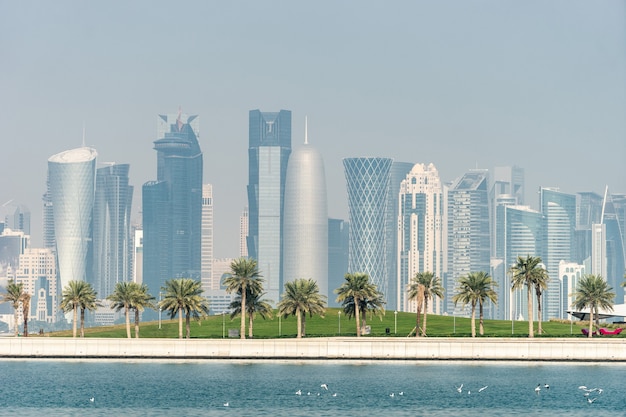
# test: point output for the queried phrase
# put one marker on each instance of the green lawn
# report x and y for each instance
(437, 326)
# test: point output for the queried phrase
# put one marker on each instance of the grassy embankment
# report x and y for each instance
(216, 327)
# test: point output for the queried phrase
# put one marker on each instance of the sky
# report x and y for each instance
(460, 83)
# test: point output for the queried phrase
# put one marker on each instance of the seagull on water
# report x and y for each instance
(546, 386)
(483, 388)
(392, 395)
(324, 386)
(92, 399)
(334, 394)
(401, 393)
(299, 392)
(226, 404)
(459, 389)
(538, 388)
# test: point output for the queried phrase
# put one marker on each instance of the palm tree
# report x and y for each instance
(594, 292)
(243, 274)
(358, 295)
(78, 295)
(302, 296)
(14, 295)
(121, 298)
(528, 272)
(25, 311)
(475, 288)
(255, 304)
(182, 296)
(431, 288)
(141, 300)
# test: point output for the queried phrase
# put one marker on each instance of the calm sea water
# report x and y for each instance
(65, 388)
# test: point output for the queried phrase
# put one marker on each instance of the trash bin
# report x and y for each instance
(387, 330)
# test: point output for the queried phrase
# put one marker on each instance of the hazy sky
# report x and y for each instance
(463, 84)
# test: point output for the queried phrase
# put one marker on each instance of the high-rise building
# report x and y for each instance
(37, 272)
(397, 174)
(338, 243)
(305, 226)
(468, 230)
(367, 181)
(559, 214)
(206, 272)
(507, 181)
(71, 181)
(615, 251)
(243, 233)
(421, 231)
(172, 205)
(112, 252)
(268, 152)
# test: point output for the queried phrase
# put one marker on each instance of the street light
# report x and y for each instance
(160, 310)
(280, 327)
(223, 324)
(395, 322)
(339, 321)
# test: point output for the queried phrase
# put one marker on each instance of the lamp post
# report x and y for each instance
(280, 328)
(339, 321)
(160, 310)
(395, 322)
(223, 324)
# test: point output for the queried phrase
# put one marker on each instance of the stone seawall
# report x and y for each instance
(349, 348)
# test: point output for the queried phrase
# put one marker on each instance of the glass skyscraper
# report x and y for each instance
(468, 229)
(268, 153)
(172, 205)
(112, 251)
(71, 180)
(368, 185)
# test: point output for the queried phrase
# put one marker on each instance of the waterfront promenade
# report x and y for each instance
(335, 348)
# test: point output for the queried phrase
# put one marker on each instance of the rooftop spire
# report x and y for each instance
(306, 131)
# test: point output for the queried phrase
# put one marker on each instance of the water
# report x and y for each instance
(64, 388)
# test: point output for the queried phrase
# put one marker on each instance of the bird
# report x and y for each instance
(401, 393)
(459, 389)
(546, 386)
(299, 392)
(324, 386)
(538, 388)
(334, 394)
(92, 399)
(583, 387)
(591, 400)
(483, 388)
(392, 395)
(226, 404)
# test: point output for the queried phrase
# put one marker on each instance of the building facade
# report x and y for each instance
(206, 273)
(268, 153)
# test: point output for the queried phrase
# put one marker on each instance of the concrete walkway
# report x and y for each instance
(349, 348)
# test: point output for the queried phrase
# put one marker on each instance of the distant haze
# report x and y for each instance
(540, 84)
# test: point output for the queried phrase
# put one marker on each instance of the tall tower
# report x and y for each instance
(615, 251)
(172, 205)
(368, 184)
(559, 214)
(206, 273)
(509, 182)
(468, 229)
(71, 179)
(268, 153)
(112, 251)
(305, 242)
(421, 230)
(243, 233)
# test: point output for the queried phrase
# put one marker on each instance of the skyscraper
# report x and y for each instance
(172, 205)
(305, 227)
(243, 233)
(268, 153)
(615, 251)
(421, 230)
(507, 181)
(368, 184)
(206, 273)
(338, 243)
(112, 251)
(468, 229)
(559, 214)
(71, 180)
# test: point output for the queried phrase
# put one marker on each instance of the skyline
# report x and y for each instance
(457, 84)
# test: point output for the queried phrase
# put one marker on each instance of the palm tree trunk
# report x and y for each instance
(75, 320)
(127, 314)
(299, 323)
(357, 317)
(250, 326)
(425, 316)
(188, 323)
(590, 322)
(180, 323)
(242, 330)
(82, 322)
(17, 325)
(136, 323)
(481, 327)
(474, 319)
(531, 331)
(25, 312)
(539, 329)
(304, 325)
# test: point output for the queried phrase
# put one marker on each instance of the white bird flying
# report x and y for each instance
(537, 389)
(459, 389)
(324, 386)
(483, 388)
(92, 399)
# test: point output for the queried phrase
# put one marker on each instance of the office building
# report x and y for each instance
(37, 272)
(268, 152)
(305, 226)
(614, 246)
(206, 272)
(367, 181)
(112, 251)
(71, 181)
(243, 233)
(338, 244)
(172, 205)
